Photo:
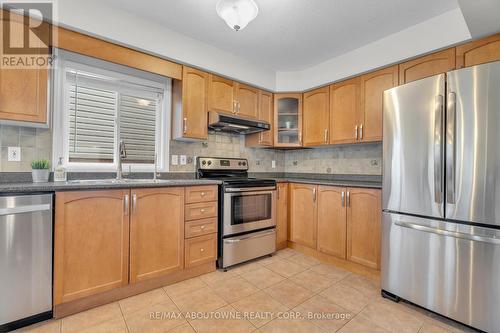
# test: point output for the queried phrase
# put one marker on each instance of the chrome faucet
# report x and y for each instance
(122, 153)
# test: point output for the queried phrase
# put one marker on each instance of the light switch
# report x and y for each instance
(273, 164)
(183, 159)
(175, 160)
(14, 154)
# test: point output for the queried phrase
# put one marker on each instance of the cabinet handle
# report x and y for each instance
(361, 132)
(278, 190)
(125, 205)
(202, 194)
(314, 193)
(202, 250)
(348, 199)
(300, 138)
(202, 227)
(343, 199)
(326, 135)
(356, 132)
(239, 107)
(185, 125)
(134, 202)
(202, 210)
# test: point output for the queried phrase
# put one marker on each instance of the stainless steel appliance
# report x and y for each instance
(247, 210)
(441, 195)
(236, 124)
(25, 260)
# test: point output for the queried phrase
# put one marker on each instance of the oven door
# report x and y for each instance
(248, 210)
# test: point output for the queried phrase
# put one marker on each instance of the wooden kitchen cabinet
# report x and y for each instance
(247, 99)
(156, 232)
(478, 52)
(264, 138)
(23, 91)
(287, 120)
(201, 193)
(201, 250)
(429, 65)
(91, 243)
(373, 86)
(201, 210)
(281, 215)
(316, 117)
(345, 113)
(363, 226)
(189, 102)
(221, 94)
(303, 214)
(332, 214)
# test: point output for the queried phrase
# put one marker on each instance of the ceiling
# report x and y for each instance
(290, 35)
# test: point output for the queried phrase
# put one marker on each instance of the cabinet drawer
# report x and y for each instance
(201, 210)
(200, 227)
(201, 194)
(200, 250)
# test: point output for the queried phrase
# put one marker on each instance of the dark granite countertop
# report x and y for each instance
(343, 183)
(98, 185)
(365, 181)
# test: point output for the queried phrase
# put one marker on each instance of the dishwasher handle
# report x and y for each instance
(25, 209)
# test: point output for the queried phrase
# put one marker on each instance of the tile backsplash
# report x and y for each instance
(363, 159)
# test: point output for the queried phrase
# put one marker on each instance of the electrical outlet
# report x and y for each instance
(183, 159)
(273, 164)
(175, 160)
(14, 154)
(374, 163)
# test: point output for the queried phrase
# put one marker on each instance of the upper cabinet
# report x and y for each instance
(345, 114)
(265, 138)
(316, 118)
(247, 101)
(373, 86)
(288, 120)
(23, 92)
(221, 97)
(189, 98)
(429, 65)
(479, 52)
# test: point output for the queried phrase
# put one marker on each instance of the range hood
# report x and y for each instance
(235, 124)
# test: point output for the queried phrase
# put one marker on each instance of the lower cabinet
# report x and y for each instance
(363, 226)
(332, 221)
(156, 232)
(91, 243)
(200, 250)
(303, 214)
(281, 215)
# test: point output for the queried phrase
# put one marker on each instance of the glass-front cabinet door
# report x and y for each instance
(288, 120)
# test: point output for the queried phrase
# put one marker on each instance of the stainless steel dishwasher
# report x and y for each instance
(25, 260)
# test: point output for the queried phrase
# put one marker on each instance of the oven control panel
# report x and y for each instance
(214, 163)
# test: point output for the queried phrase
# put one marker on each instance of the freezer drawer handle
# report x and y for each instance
(438, 150)
(442, 232)
(450, 147)
(24, 209)
(251, 236)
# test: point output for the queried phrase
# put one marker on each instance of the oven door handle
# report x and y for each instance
(254, 235)
(249, 189)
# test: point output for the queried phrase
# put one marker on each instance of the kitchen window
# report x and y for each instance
(99, 104)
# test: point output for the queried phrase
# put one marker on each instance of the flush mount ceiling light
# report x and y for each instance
(237, 13)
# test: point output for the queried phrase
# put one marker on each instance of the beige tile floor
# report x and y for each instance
(289, 292)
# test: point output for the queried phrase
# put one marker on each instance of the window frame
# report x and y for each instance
(65, 59)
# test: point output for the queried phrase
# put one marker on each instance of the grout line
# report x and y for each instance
(123, 316)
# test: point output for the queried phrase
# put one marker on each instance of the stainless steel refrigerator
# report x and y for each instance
(441, 195)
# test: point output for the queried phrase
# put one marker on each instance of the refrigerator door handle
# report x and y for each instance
(438, 150)
(450, 147)
(443, 232)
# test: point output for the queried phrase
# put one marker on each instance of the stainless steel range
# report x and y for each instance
(247, 210)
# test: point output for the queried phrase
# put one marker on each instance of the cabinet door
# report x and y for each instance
(194, 103)
(221, 96)
(316, 117)
(372, 89)
(429, 65)
(156, 232)
(332, 221)
(264, 138)
(248, 101)
(479, 52)
(282, 215)
(91, 243)
(288, 120)
(303, 214)
(345, 111)
(363, 226)
(23, 91)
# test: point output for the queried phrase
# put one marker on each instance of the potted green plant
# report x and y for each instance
(40, 171)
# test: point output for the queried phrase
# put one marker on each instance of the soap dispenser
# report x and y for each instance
(60, 172)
